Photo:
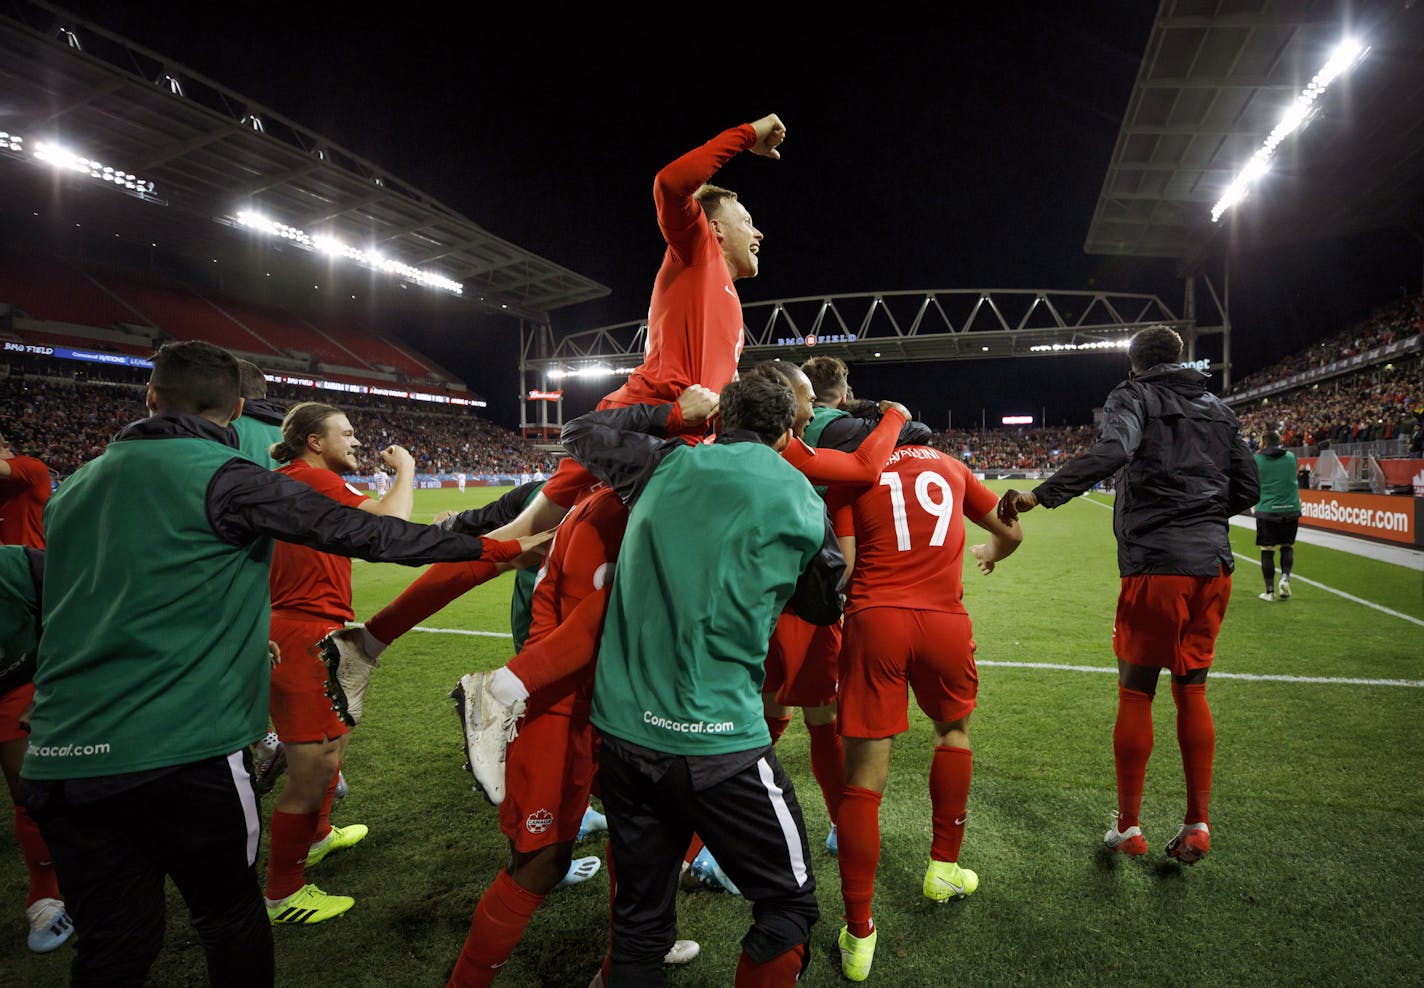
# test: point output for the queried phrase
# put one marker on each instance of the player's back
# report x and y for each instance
(580, 560)
(909, 531)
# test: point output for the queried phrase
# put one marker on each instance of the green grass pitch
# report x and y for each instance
(1317, 798)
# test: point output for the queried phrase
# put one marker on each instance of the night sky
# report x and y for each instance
(966, 154)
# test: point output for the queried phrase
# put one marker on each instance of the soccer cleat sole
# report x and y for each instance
(458, 695)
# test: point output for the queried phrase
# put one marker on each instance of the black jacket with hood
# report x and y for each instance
(1185, 471)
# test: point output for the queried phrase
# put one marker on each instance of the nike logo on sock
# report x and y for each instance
(959, 822)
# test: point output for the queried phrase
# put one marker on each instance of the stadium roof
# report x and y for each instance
(211, 152)
(1215, 79)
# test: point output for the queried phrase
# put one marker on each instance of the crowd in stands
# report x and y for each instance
(65, 417)
(1396, 321)
(1016, 449)
(1381, 402)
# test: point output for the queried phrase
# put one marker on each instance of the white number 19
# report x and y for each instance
(942, 509)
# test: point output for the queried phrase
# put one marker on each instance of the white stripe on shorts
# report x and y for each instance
(247, 796)
(789, 829)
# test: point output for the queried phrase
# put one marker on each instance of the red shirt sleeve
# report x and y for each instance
(673, 187)
(840, 501)
(978, 499)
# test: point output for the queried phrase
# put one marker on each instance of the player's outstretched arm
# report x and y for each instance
(675, 184)
(1004, 538)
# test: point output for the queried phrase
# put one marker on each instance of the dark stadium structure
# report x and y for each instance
(145, 202)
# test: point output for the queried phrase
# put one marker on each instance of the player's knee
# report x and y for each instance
(781, 924)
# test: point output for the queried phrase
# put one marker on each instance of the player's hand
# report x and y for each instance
(885, 406)
(770, 132)
(398, 458)
(274, 654)
(1015, 503)
(697, 403)
(986, 566)
(533, 548)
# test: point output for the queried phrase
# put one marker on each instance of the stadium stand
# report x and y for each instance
(65, 414)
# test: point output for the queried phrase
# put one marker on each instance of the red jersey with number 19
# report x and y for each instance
(306, 580)
(909, 531)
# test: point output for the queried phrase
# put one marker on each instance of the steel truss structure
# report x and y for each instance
(890, 327)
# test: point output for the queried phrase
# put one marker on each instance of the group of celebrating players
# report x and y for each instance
(679, 593)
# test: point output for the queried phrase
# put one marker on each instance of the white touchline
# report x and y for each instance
(1253, 677)
(1300, 579)
(449, 631)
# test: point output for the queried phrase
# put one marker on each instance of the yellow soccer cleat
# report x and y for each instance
(945, 880)
(308, 905)
(338, 838)
(857, 954)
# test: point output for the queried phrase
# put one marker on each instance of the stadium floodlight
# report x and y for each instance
(1121, 344)
(334, 247)
(71, 162)
(1347, 55)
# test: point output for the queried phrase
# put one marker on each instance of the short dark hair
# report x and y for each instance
(254, 382)
(1154, 345)
(771, 370)
(758, 404)
(1272, 439)
(195, 378)
(828, 377)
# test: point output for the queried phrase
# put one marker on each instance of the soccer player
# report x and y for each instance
(152, 673)
(1277, 514)
(695, 336)
(21, 581)
(1185, 470)
(24, 489)
(906, 628)
(260, 424)
(802, 662)
(311, 596)
(677, 686)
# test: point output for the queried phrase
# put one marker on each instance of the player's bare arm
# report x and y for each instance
(400, 500)
(1004, 538)
(770, 133)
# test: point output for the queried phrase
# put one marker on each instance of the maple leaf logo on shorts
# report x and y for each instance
(538, 821)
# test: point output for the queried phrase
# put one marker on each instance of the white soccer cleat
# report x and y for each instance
(1268, 597)
(1283, 590)
(682, 952)
(50, 925)
(489, 726)
(580, 870)
(348, 672)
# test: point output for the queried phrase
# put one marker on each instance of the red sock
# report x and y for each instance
(949, 797)
(323, 819)
(777, 726)
(287, 849)
(435, 588)
(828, 764)
(1196, 736)
(43, 883)
(495, 929)
(859, 837)
(783, 969)
(693, 849)
(1132, 746)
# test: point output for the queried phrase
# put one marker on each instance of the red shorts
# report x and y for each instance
(548, 774)
(301, 710)
(888, 649)
(1170, 622)
(12, 704)
(803, 662)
